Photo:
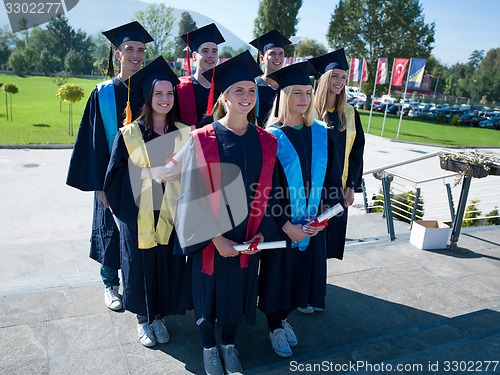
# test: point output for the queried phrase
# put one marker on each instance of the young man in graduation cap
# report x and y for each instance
(102, 117)
(271, 45)
(193, 91)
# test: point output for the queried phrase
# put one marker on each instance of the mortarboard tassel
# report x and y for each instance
(277, 107)
(188, 58)
(128, 110)
(111, 68)
(210, 103)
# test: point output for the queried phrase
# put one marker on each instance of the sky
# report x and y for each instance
(462, 26)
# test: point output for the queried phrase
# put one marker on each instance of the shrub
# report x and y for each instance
(471, 212)
(455, 120)
(492, 217)
(402, 205)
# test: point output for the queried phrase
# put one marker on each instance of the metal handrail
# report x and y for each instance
(403, 162)
(386, 176)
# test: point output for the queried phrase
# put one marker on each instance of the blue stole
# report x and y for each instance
(107, 106)
(303, 209)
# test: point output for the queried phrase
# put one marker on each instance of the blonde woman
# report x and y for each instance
(295, 276)
(227, 175)
(346, 143)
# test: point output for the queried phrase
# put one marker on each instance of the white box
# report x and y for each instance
(430, 234)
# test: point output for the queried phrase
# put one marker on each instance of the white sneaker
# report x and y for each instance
(230, 358)
(112, 298)
(306, 310)
(160, 331)
(279, 343)
(211, 361)
(146, 335)
(289, 334)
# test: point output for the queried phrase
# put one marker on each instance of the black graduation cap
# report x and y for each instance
(209, 33)
(329, 61)
(269, 40)
(295, 74)
(157, 70)
(130, 31)
(239, 68)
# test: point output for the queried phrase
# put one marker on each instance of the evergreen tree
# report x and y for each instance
(186, 24)
(277, 14)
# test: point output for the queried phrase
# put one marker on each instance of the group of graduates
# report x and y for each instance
(229, 155)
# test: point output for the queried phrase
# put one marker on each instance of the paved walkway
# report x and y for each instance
(391, 307)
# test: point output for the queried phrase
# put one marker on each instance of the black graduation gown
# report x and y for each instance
(266, 98)
(229, 295)
(290, 278)
(152, 278)
(87, 169)
(337, 228)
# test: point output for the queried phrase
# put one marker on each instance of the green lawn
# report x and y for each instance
(428, 132)
(37, 119)
(38, 116)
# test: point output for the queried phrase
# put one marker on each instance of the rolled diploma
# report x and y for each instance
(177, 157)
(331, 212)
(261, 245)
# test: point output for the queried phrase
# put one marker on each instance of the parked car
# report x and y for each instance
(470, 119)
(393, 109)
(491, 123)
(380, 107)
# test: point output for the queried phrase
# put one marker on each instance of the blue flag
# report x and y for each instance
(417, 67)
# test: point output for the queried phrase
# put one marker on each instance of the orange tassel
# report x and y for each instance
(128, 110)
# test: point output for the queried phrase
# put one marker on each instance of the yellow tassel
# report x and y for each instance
(128, 110)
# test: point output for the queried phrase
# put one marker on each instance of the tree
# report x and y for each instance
(158, 20)
(60, 80)
(73, 62)
(186, 25)
(487, 76)
(7, 43)
(70, 93)
(374, 28)
(277, 14)
(62, 36)
(18, 62)
(9, 88)
(310, 47)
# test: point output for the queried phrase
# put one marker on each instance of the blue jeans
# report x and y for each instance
(109, 276)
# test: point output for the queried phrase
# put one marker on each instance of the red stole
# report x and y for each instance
(187, 101)
(206, 145)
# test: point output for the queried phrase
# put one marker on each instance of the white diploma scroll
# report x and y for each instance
(177, 157)
(261, 245)
(328, 214)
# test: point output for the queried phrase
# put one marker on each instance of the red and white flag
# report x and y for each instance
(382, 71)
(358, 71)
(399, 70)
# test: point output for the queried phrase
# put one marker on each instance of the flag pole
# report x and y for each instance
(371, 101)
(404, 97)
(389, 94)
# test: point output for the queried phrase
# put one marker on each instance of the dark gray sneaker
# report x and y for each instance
(211, 361)
(230, 358)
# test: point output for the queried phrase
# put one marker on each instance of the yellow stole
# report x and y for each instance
(349, 139)
(148, 235)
